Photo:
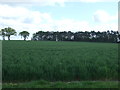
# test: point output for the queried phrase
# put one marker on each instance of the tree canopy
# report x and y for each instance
(106, 36)
(24, 34)
(7, 32)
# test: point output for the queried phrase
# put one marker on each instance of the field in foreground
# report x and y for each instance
(59, 61)
(59, 84)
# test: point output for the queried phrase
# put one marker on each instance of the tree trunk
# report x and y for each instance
(56, 38)
(3, 37)
(8, 37)
(24, 38)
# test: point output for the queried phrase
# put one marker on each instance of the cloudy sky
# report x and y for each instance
(58, 15)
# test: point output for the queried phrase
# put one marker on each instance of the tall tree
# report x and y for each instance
(9, 31)
(2, 33)
(105, 36)
(24, 34)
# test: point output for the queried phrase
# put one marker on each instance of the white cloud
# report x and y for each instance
(23, 15)
(21, 19)
(36, 2)
(59, 1)
(96, 0)
(51, 2)
(71, 25)
(104, 27)
(104, 17)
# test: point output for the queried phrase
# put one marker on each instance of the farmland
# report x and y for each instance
(25, 61)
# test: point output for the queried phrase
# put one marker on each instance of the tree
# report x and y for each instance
(2, 33)
(24, 34)
(9, 31)
(105, 36)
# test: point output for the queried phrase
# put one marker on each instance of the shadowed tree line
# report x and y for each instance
(106, 36)
(92, 36)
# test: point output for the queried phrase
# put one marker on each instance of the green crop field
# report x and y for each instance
(25, 61)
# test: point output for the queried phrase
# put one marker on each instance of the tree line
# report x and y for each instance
(92, 36)
(87, 36)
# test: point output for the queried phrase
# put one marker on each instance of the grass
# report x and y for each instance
(59, 84)
(59, 61)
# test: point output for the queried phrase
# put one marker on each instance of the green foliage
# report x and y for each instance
(2, 33)
(10, 31)
(7, 32)
(59, 61)
(73, 84)
(24, 34)
(92, 36)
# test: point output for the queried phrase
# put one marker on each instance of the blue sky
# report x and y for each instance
(59, 15)
(77, 10)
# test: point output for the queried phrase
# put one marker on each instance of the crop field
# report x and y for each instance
(25, 61)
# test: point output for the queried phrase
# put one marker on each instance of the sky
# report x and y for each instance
(58, 15)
